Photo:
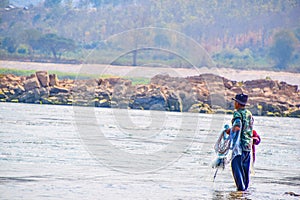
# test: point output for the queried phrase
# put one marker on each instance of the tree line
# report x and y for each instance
(233, 32)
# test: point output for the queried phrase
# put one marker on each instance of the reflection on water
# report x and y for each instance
(44, 156)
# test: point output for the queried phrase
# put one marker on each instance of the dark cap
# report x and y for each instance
(241, 99)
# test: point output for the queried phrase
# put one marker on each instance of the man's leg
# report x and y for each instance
(246, 167)
(238, 172)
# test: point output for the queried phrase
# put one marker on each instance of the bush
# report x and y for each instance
(22, 49)
(9, 44)
(282, 49)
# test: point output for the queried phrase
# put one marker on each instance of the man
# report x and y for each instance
(241, 134)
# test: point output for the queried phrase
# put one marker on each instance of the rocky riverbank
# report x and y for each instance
(206, 93)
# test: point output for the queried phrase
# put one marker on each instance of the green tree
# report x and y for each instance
(31, 37)
(9, 44)
(282, 49)
(52, 43)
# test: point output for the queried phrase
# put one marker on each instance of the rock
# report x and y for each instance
(200, 93)
(12, 78)
(53, 80)
(103, 103)
(228, 84)
(286, 87)
(187, 100)
(292, 194)
(217, 99)
(195, 108)
(43, 78)
(256, 91)
(44, 92)
(31, 83)
(2, 95)
(201, 108)
(19, 89)
(148, 103)
(31, 96)
(272, 114)
(206, 109)
(295, 113)
(223, 111)
(260, 83)
(173, 102)
(236, 89)
(55, 90)
(256, 109)
(46, 101)
(14, 100)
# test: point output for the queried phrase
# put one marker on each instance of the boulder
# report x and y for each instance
(31, 96)
(260, 83)
(12, 78)
(55, 90)
(217, 99)
(103, 103)
(295, 113)
(44, 92)
(53, 80)
(31, 83)
(2, 95)
(148, 102)
(43, 78)
(173, 102)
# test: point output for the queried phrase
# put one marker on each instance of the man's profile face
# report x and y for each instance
(236, 105)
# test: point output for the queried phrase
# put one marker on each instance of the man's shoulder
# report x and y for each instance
(237, 115)
(242, 112)
(248, 112)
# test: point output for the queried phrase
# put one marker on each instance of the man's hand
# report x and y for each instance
(234, 129)
(227, 131)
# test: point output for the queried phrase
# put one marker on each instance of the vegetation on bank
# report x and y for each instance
(238, 34)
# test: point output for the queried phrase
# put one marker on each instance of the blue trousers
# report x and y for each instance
(240, 166)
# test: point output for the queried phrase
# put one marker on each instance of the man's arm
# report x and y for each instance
(236, 126)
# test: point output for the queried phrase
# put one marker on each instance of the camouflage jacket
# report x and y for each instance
(243, 118)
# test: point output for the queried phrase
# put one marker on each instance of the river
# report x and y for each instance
(65, 152)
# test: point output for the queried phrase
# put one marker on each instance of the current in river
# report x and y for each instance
(66, 152)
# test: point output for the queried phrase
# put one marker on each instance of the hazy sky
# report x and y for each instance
(22, 3)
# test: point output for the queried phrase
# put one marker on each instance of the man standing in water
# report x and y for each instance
(241, 133)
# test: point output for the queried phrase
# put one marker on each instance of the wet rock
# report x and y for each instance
(173, 102)
(31, 96)
(148, 102)
(55, 90)
(201, 108)
(295, 113)
(2, 95)
(44, 92)
(46, 101)
(104, 103)
(19, 89)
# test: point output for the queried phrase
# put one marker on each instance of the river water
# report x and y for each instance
(65, 152)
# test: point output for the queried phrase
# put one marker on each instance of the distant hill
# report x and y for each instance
(235, 33)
